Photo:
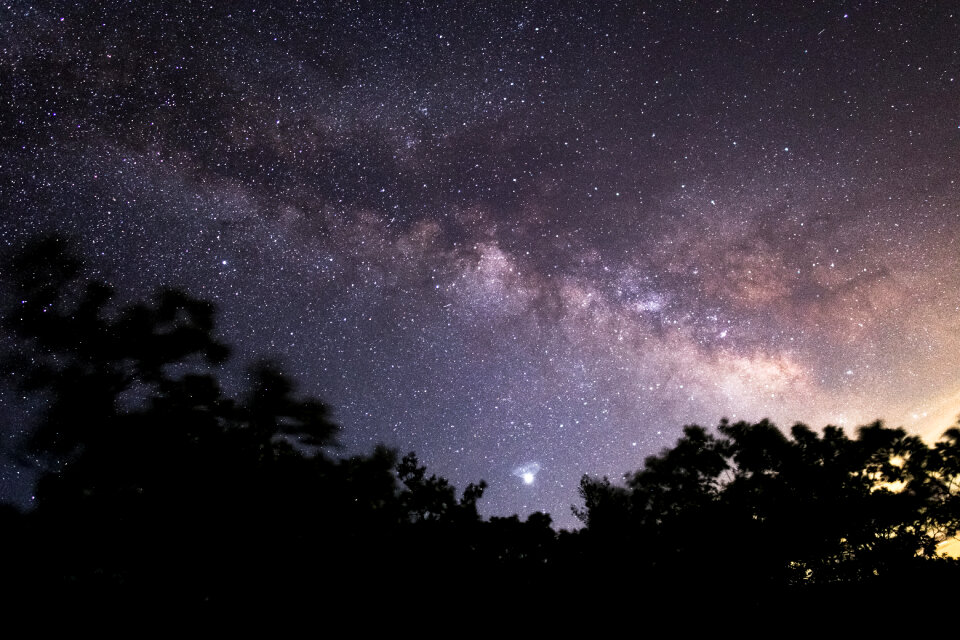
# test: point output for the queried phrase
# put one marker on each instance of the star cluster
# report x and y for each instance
(537, 236)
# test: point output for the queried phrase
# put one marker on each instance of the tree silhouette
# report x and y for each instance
(170, 488)
(764, 512)
(157, 486)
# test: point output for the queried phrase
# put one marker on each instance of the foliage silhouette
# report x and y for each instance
(171, 489)
(766, 513)
(158, 487)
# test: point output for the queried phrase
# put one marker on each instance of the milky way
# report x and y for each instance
(515, 236)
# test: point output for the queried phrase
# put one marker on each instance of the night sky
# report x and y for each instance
(526, 240)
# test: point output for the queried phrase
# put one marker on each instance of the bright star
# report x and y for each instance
(527, 472)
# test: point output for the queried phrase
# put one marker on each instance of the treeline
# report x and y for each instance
(157, 487)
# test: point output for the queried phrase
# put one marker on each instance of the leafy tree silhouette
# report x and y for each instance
(169, 488)
(157, 486)
(765, 513)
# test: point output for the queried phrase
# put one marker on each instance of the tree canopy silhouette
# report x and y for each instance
(164, 480)
(765, 512)
(157, 485)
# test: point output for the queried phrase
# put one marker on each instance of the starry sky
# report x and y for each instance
(528, 240)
